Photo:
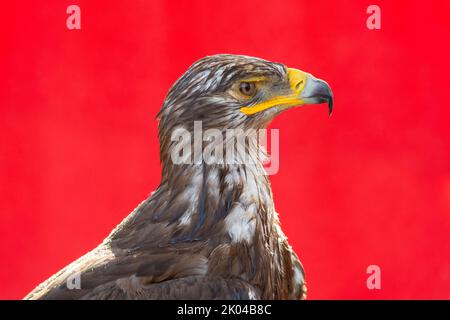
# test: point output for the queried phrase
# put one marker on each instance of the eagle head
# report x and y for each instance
(234, 91)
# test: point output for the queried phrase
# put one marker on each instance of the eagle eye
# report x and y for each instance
(247, 88)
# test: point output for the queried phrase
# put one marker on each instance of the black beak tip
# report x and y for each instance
(330, 106)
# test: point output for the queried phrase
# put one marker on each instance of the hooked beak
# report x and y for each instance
(305, 89)
(317, 91)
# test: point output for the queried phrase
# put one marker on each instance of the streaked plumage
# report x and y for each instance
(210, 231)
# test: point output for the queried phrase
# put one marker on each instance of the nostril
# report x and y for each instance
(297, 86)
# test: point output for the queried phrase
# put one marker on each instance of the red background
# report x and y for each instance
(371, 185)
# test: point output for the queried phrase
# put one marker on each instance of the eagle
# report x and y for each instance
(210, 230)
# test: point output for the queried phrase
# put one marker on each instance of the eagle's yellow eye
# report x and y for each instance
(247, 88)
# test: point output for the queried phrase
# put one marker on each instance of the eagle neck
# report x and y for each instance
(232, 206)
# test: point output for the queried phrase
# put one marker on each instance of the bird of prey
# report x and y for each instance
(210, 230)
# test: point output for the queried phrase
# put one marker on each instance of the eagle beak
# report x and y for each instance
(309, 89)
(305, 89)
